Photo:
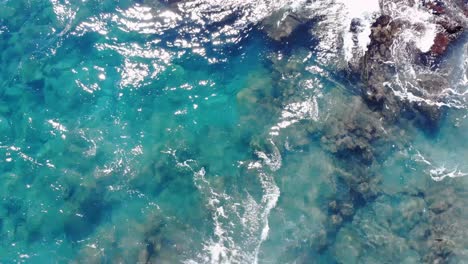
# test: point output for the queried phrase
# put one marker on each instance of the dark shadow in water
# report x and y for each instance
(299, 38)
(92, 209)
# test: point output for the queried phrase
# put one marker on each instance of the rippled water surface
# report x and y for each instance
(156, 132)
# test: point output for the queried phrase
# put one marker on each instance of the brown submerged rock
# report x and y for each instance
(353, 131)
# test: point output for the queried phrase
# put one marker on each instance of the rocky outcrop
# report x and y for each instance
(374, 72)
(388, 58)
(448, 16)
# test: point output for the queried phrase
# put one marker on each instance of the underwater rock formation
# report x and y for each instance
(147, 241)
(377, 227)
(354, 136)
(409, 228)
(282, 24)
(392, 54)
(353, 131)
(447, 224)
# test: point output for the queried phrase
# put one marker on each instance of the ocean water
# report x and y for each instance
(149, 132)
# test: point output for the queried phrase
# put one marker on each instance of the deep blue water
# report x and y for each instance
(130, 135)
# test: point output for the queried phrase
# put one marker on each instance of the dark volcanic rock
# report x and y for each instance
(380, 68)
(374, 72)
(385, 65)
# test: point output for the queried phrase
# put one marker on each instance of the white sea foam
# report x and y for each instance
(240, 222)
(423, 35)
(227, 245)
(273, 160)
(365, 11)
(439, 172)
(269, 200)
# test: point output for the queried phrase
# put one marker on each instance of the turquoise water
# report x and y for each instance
(128, 134)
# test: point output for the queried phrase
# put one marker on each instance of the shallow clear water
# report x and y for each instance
(130, 133)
